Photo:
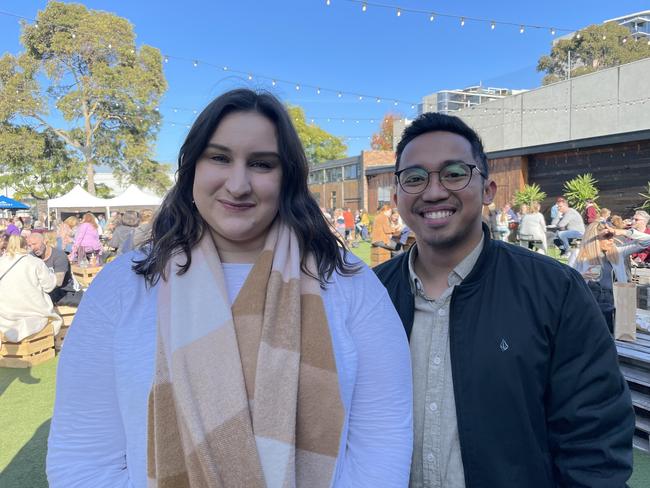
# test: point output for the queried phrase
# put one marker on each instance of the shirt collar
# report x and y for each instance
(457, 275)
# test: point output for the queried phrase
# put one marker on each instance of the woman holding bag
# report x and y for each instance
(602, 261)
(243, 346)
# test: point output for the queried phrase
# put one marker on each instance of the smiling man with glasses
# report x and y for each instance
(515, 375)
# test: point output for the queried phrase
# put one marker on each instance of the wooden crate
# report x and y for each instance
(378, 255)
(67, 314)
(29, 352)
(85, 275)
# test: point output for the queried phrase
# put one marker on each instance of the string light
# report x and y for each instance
(552, 31)
(297, 87)
(195, 63)
(339, 94)
(327, 2)
(493, 25)
(521, 29)
(317, 91)
(399, 9)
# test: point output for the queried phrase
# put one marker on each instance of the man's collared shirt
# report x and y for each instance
(437, 458)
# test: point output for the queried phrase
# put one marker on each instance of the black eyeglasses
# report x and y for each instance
(454, 177)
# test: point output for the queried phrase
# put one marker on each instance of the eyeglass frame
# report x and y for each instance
(471, 166)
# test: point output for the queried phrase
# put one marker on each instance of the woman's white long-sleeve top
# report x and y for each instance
(98, 436)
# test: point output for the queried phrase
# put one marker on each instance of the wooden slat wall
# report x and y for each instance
(510, 175)
(374, 183)
(622, 171)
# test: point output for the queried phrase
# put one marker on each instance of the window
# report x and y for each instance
(316, 177)
(384, 194)
(351, 172)
(333, 174)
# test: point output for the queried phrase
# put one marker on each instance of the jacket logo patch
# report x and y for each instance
(504, 345)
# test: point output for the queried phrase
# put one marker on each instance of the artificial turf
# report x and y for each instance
(26, 401)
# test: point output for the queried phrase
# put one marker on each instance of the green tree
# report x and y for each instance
(319, 144)
(383, 140)
(36, 164)
(580, 189)
(82, 77)
(593, 48)
(529, 194)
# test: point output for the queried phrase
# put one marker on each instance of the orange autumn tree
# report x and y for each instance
(383, 140)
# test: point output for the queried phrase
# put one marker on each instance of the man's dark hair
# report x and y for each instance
(434, 122)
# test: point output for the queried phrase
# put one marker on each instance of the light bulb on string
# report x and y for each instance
(399, 12)
(395, 103)
(317, 91)
(624, 40)
(462, 21)
(225, 68)
(166, 59)
(250, 77)
(360, 97)
(339, 94)
(493, 25)
(195, 63)
(364, 7)
(604, 38)
(521, 29)
(297, 87)
(432, 17)
(552, 31)
(378, 100)
(273, 82)
(327, 2)
(110, 46)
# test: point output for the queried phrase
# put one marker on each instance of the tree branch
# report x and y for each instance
(58, 132)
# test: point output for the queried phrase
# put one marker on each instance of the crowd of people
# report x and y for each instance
(36, 264)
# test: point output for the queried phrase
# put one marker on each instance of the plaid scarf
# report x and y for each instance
(246, 396)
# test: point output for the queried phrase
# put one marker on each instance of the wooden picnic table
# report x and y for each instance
(85, 275)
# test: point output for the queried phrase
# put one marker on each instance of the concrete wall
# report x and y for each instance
(610, 101)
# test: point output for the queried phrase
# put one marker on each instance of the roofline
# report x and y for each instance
(642, 12)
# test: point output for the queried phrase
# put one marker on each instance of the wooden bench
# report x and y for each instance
(378, 255)
(67, 314)
(32, 350)
(85, 275)
(634, 362)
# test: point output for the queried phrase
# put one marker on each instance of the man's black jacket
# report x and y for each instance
(540, 400)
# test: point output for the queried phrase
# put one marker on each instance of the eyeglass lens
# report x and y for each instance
(454, 177)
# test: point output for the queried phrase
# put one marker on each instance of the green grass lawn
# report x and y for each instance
(26, 401)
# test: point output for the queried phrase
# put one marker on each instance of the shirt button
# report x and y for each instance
(433, 406)
(442, 312)
(437, 360)
(430, 457)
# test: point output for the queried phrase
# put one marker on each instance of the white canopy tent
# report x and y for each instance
(77, 200)
(134, 197)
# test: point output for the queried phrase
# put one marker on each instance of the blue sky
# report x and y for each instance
(339, 47)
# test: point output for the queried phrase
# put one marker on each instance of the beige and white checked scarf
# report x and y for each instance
(247, 397)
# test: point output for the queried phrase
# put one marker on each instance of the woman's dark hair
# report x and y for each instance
(434, 121)
(178, 226)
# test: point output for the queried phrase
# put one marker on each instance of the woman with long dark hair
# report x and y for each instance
(243, 346)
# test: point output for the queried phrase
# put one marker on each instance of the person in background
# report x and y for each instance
(605, 215)
(601, 260)
(523, 210)
(64, 292)
(12, 229)
(243, 345)
(382, 230)
(640, 223)
(25, 306)
(326, 214)
(348, 217)
(569, 225)
(591, 212)
(515, 377)
(363, 224)
(86, 240)
(65, 233)
(339, 222)
(122, 239)
(143, 230)
(101, 221)
(617, 222)
(532, 228)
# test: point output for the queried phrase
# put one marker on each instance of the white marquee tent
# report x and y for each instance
(77, 200)
(134, 197)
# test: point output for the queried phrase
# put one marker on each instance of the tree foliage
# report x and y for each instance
(36, 164)
(383, 140)
(646, 199)
(593, 48)
(319, 144)
(580, 189)
(82, 77)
